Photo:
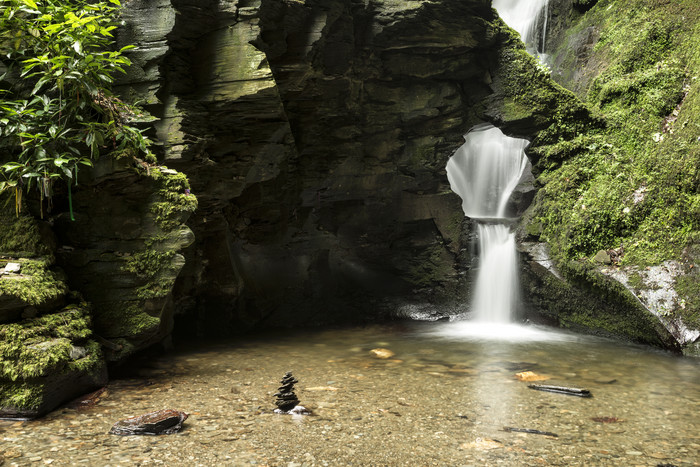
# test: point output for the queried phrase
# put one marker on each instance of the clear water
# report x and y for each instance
(443, 399)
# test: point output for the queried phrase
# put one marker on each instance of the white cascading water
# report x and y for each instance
(496, 291)
(528, 17)
(484, 172)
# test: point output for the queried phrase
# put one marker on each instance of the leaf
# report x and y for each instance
(115, 2)
(30, 3)
(52, 28)
(39, 84)
(78, 47)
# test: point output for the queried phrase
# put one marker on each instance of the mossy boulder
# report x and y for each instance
(30, 282)
(47, 360)
(579, 297)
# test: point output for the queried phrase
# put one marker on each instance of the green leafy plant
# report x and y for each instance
(57, 112)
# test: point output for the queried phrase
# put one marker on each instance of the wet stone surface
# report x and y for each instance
(160, 422)
(437, 401)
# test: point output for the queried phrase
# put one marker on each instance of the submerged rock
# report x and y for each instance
(161, 422)
(382, 353)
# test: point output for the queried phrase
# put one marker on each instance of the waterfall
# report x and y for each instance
(484, 172)
(529, 18)
(496, 291)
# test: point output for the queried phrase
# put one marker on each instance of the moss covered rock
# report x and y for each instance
(47, 360)
(122, 251)
(630, 184)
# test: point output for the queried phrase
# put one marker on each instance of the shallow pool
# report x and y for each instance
(443, 398)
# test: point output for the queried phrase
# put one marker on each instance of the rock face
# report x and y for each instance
(315, 135)
(121, 252)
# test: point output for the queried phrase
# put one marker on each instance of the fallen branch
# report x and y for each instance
(530, 431)
(561, 390)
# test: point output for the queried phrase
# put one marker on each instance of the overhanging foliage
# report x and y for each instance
(57, 112)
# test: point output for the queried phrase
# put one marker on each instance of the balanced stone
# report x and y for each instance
(286, 398)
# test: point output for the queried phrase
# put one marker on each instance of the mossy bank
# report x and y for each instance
(121, 254)
(631, 186)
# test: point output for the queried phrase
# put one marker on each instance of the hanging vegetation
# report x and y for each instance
(57, 112)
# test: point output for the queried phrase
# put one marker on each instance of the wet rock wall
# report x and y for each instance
(315, 136)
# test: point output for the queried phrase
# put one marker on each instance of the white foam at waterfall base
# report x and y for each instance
(505, 332)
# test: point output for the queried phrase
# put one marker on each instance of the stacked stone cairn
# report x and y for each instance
(286, 399)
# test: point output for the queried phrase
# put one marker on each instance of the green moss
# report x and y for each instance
(36, 285)
(28, 393)
(635, 281)
(40, 346)
(515, 110)
(176, 202)
(147, 264)
(154, 267)
(125, 320)
(19, 235)
(688, 289)
(633, 181)
(25, 395)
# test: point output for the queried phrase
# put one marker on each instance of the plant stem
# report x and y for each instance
(70, 202)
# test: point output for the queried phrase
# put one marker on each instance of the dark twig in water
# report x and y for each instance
(530, 431)
(561, 390)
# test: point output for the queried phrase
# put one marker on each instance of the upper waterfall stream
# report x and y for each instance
(529, 18)
(485, 171)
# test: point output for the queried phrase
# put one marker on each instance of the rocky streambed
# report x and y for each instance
(430, 396)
